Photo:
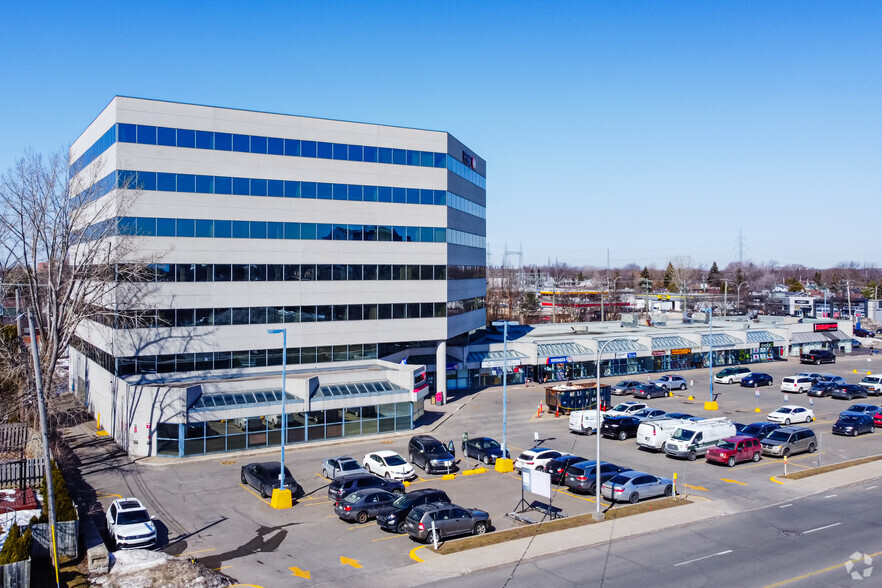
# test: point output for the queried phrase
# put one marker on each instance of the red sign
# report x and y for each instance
(825, 326)
(660, 352)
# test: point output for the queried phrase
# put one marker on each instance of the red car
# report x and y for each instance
(877, 419)
(731, 450)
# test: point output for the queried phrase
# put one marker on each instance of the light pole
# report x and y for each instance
(504, 325)
(598, 516)
(738, 294)
(284, 419)
(710, 341)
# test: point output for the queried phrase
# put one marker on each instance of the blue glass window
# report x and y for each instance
(292, 148)
(223, 229)
(385, 194)
(204, 228)
(324, 191)
(426, 158)
(399, 157)
(186, 227)
(307, 231)
(165, 227)
(355, 193)
(275, 230)
(223, 185)
(292, 230)
(398, 233)
(399, 195)
(186, 138)
(166, 182)
(146, 226)
(258, 187)
(242, 143)
(413, 234)
(340, 151)
(275, 188)
(241, 186)
(127, 133)
(370, 154)
(307, 148)
(355, 232)
(413, 196)
(385, 154)
(370, 193)
(440, 235)
(369, 233)
(205, 184)
(427, 196)
(440, 197)
(275, 146)
(223, 141)
(340, 192)
(356, 153)
(324, 231)
(307, 189)
(258, 229)
(258, 144)
(240, 229)
(126, 179)
(166, 136)
(204, 140)
(426, 234)
(146, 135)
(127, 225)
(440, 160)
(340, 233)
(413, 157)
(324, 150)
(186, 183)
(292, 189)
(146, 180)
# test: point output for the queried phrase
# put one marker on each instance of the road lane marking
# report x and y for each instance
(391, 537)
(828, 496)
(295, 571)
(702, 488)
(868, 487)
(733, 481)
(821, 528)
(815, 573)
(413, 554)
(348, 561)
(262, 499)
(351, 527)
(228, 567)
(785, 505)
(683, 563)
(776, 481)
(186, 553)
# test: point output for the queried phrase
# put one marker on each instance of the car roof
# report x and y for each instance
(383, 453)
(423, 438)
(633, 474)
(537, 449)
(129, 504)
(738, 438)
(422, 491)
(343, 458)
(792, 429)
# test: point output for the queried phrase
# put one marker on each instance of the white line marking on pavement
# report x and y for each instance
(785, 505)
(830, 496)
(820, 528)
(683, 563)
(868, 487)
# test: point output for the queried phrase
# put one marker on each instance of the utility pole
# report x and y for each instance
(848, 294)
(725, 295)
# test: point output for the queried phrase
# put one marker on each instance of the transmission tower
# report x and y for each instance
(519, 273)
(741, 245)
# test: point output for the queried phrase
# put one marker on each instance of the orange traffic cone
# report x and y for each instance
(556, 411)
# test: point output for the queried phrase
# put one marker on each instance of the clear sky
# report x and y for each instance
(652, 129)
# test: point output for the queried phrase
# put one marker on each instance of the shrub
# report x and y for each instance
(17, 546)
(64, 507)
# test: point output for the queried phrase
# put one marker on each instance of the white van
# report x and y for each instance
(693, 440)
(653, 434)
(584, 422)
(796, 384)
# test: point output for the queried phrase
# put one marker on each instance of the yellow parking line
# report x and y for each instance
(391, 537)
(772, 478)
(697, 497)
(815, 573)
(413, 554)
(222, 568)
(733, 481)
(362, 526)
(767, 462)
(186, 553)
(262, 499)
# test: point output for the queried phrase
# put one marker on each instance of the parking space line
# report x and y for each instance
(318, 503)
(259, 497)
(819, 528)
(732, 481)
(372, 524)
(187, 553)
(390, 537)
(790, 461)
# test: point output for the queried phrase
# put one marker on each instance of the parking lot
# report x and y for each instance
(203, 510)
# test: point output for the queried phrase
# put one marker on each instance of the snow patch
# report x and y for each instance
(137, 568)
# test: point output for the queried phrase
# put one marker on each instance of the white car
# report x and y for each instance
(625, 409)
(129, 525)
(389, 465)
(536, 458)
(791, 414)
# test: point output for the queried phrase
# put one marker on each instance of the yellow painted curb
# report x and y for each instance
(406, 483)
(757, 409)
(504, 466)
(448, 476)
(711, 405)
(413, 554)
(776, 481)
(691, 397)
(480, 470)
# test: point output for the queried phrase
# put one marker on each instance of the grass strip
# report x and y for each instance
(527, 531)
(830, 468)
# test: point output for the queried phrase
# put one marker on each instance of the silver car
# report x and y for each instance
(634, 486)
(670, 382)
(342, 465)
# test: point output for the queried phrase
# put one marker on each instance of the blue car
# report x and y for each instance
(853, 424)
(870, 410)
(758, 430)
(756, 379)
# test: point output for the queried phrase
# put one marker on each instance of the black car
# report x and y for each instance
(483, 449)
(265, 477)
(859, 332)
(756, 379)
(392, 517)
(650, 391)
(682, 415)
(431, 455)
(848, 392)
(361, 505)
(339, 488)
(558, 466)
(581, 477)
(758, 430)
(854, 424)
(620, 427)
(817, 357)
(821, 389)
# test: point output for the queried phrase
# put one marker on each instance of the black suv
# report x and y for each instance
(817, 357)
(341, 487)
(392, 517)
(430, 454)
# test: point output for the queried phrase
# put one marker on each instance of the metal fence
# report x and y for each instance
(21, 473)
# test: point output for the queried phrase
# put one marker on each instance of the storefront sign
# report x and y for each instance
(452, 367)
(680, 351)
(825, 326)
(767, 345)
(498, 363)
(658, 352)
(469, 161)
(562, 359)
(631, 354)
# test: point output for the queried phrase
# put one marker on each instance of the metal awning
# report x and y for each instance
(569, 349)
(836, 335)
(341, 391)
(513, 356)
(801, 338)
(763, 337)
(242, 399)
(620, 345)
(428, 360)
(675, 342)
(718, 340)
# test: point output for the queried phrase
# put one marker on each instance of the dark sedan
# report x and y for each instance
(682, 415)
(756, 379)
(624, 387)
(758, 430)
(854, 424)
(362, 505)
(859, 332)
(558, 467)
(483, 449)
(341, 487)
(620, 427)
(848, 392)
(581, 477)
(265, 477)
(650, 391)
(821, 389)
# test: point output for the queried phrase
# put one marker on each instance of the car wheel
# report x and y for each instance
(811, 448)
(682, 387)
(486, 460)
(787, 422)
(592, 490)
(263, 493)
(730, 380)
(731, 462)
(622, 435)
(325, 473)
(634, 498)
(480, 528)
(873, 429)
(669, 490)
(757, 456)
(400, 528)
(809, 419)
(361, 518)
(432, 537)
(387, 476)
(691, 456)
(244, 481)
(398, 492)
(786, 452)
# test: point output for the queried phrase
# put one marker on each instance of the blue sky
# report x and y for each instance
(652, 129)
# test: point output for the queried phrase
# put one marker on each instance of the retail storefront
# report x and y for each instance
(486, 368)
(820, 335)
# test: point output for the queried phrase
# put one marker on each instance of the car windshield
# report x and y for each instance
(133, 517)
(682, 435)
(751, 429)
(619, 480)
(352, 498)
(435, 447)
(402, 501)
(395, 460)
(778, 436)
(785, 410)
(622, 406)
(491, 444)
(848, 419)
(856, 408)
(726, 445)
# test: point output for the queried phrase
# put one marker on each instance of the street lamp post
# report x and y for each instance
(710, 339)
(284, 420)
(504, 325)
(598, 515)
(738, 294)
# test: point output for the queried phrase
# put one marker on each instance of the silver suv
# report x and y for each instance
(789, 440)
(437, 520)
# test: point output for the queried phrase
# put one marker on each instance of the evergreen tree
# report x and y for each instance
(713, 276)
(17, 546)
(668, 281)
(646, 280)
(64, 507)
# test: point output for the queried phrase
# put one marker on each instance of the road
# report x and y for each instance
(803, 542)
